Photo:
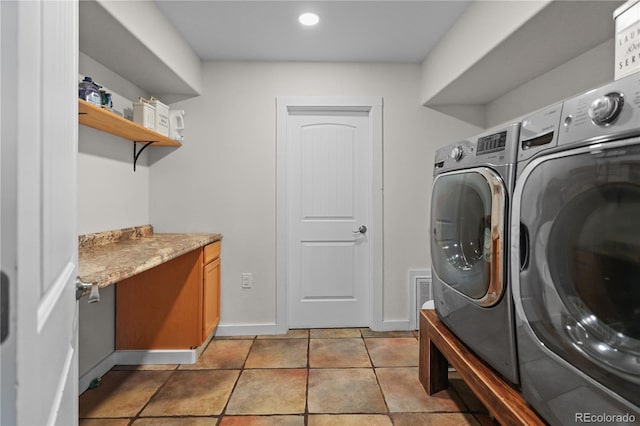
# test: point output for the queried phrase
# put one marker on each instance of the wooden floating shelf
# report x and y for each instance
(101, 119)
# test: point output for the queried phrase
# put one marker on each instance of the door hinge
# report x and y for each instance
(4, 307)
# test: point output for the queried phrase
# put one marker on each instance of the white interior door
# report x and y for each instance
(329, 218)
(46, 254)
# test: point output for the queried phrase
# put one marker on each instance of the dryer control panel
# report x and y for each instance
(607, 113)
(497, 146)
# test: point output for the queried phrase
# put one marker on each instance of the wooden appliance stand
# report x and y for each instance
(438, 347)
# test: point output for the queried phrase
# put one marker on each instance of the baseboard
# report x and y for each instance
(156, 356)
(96, 372)
(189, 356)
(396, 325)
(266, 329)
(246, 329)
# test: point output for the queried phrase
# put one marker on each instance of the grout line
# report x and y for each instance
(375, 373)
(235, 385)
(137, 416)
(306, 390)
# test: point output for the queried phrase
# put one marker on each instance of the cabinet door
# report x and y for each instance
(211, 297)
(211, 251)
(158, 309)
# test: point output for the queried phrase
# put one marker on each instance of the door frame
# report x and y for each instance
(8, 208)
(373, 106)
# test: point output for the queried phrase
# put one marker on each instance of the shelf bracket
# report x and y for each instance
(137, 153)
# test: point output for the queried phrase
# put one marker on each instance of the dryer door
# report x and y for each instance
(467, 229)
(580, 289)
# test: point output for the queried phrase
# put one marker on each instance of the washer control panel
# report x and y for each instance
(606, 113)
(539, 132)
(605, 109)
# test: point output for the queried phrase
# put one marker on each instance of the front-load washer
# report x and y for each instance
(473, 182)
(575, 256)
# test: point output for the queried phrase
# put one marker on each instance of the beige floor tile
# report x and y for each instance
(121, 393)
(193, 393)
(338, 353)
(273, 391)
(262, 421)
(353, 390)
(291, 334)
(222, 354)
(367, 332)
(335, 333)
(404, 393)
(280, 353)
(434, 419)
(349, 420)
(393, 352)
(104, 422)
(176, 421)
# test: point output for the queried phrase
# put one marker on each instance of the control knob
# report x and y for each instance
(604, 110)
(457, 153)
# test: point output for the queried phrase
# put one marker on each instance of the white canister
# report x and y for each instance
(162, 116)
(176, 124)
(144, 114)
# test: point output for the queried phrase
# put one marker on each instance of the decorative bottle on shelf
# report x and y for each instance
(89, 91)
(105, 97)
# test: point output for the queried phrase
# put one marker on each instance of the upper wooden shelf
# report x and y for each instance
(98, 118)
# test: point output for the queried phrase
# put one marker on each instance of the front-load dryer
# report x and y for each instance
(575, 257)
(473, 182)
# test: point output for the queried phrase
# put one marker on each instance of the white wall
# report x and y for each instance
(591, 69)
(110, 196)
(223, 177)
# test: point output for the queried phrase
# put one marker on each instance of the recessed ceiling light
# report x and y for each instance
(309, 19)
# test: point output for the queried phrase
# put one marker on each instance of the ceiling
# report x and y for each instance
(349, 31)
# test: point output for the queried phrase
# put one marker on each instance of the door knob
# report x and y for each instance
(361, 230)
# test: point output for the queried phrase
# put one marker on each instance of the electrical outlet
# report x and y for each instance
(247, 279)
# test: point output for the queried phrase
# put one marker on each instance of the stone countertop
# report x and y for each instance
(109, 257)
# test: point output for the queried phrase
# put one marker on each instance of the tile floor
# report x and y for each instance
(317, 377)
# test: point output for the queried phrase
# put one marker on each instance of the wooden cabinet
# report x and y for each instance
(175, 305)
(211, 289)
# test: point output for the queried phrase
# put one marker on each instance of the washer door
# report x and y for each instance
(467, 229)
(579, 285)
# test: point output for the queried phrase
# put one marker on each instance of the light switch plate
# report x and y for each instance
(247, 279)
